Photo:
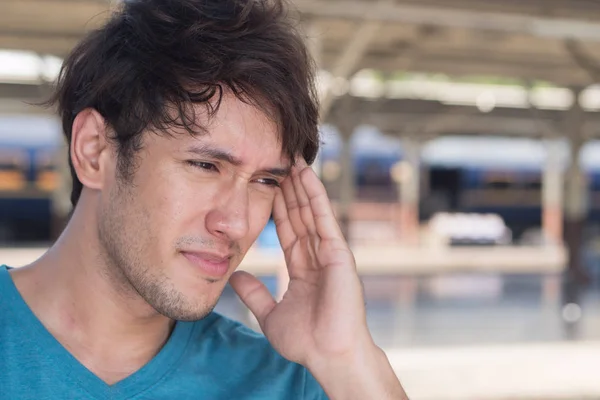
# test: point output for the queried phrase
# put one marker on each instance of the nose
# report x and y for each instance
(229, 218)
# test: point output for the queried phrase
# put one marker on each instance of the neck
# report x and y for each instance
(97, 316)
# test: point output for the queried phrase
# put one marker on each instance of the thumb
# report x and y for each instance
(254, 294)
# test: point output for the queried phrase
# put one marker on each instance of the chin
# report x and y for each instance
(191, 301)
(187, 313)
(192, 317)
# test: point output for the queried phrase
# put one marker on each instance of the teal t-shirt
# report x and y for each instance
(212, 359)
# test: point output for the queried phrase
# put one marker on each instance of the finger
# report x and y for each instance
(293, 208)
(285, 232)
(306, 213)
(325, 221)
(253, 294)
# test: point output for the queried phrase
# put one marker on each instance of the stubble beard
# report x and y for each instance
(125, 236)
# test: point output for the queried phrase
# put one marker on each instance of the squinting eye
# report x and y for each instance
(203, 165)
(268, 182)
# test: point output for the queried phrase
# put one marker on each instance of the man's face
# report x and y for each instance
(177, 229)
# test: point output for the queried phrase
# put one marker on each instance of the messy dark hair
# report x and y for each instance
(155, 60)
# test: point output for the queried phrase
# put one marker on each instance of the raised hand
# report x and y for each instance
(322, 314)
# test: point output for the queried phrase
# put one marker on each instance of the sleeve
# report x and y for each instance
(312, 388)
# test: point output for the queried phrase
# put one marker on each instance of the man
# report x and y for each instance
(189, 123)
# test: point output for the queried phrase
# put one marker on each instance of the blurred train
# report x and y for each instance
(460, 174)
(480, 175)
(29, 147)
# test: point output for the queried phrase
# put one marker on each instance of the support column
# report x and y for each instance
(576, 193)
(347, 183)
(406, 175)
(576, 209)
(552, 216)
(552, 196)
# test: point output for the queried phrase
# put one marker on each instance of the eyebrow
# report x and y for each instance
(224, 155)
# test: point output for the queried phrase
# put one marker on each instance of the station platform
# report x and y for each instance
(548, 371)
(476, 325)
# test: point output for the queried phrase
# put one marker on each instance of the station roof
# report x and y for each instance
(551, 40)
(49, 26)
(556, 41)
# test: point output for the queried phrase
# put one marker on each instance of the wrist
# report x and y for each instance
(362, 373)
(351, 354)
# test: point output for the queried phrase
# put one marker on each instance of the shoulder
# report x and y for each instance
(248, 353)
(227, 335)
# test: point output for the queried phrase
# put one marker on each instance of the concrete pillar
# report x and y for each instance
(346, 123)
(576, 210)
(552, 196)
(552, 217)
(407, 177)
(576, 193)
(347, 183)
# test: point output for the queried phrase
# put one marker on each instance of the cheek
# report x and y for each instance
(174, 198)
(260, 208)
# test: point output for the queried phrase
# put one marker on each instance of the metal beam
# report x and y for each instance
(457, 125)
(432, 118)
(351, 55)
(552, 28)
(348, 60)
(58, 46)
(583, 59)
(56, 15)
(419, 108)
(561, 75)
(16, 107)
(473, 126)
(24, 92)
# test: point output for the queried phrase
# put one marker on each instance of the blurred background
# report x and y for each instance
(460, 151)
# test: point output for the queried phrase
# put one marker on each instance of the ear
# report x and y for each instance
(90, 150)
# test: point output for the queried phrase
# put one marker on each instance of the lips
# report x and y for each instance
(213, 265)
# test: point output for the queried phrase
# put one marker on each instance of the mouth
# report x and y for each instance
(210, 264)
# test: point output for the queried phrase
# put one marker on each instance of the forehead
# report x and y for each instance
(242, 129)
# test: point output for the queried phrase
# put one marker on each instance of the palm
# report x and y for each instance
(317, 304)
(322, 311)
